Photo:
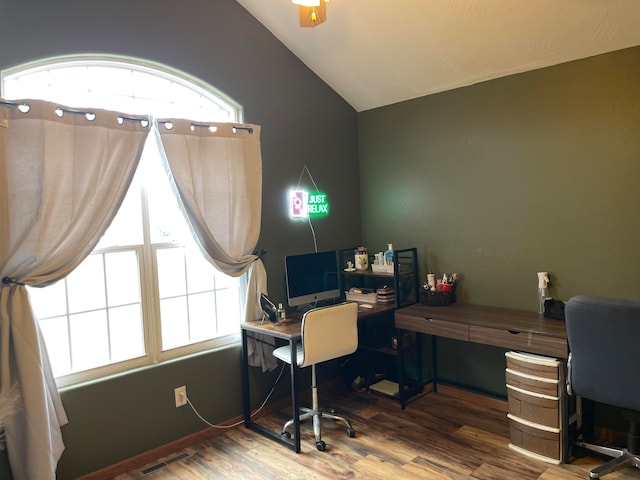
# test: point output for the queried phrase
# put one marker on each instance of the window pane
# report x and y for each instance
(71, 85)
(149, 87)
(200, 273)
(126, 228)
(86, 285)
(34, 85)
(225, 281)
(202, 316)
(89, 340)
(166, 221)
(228, 310)
(171, 272)
(126, 332)
(123, 282)
(56, 337)
(50, 301)
(109, 81)
(175, 324)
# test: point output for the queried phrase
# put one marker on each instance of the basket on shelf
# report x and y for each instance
(438, 298)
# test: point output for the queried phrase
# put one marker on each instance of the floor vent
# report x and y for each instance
(159, 465)
(178, 457)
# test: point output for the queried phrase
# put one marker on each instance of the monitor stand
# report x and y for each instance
(322, 303)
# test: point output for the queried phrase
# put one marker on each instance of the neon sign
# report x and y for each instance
(303, 204)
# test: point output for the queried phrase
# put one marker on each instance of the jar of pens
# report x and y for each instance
(440, 291)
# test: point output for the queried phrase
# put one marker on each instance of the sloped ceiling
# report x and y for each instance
(379, 52)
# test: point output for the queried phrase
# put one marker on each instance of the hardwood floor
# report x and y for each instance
(446, 435)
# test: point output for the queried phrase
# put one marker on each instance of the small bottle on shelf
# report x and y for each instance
(388, 255)
(431, 280)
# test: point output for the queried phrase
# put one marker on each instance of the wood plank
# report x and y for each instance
(451, 434)
(491, 317)
(431, 326)
(517, 340)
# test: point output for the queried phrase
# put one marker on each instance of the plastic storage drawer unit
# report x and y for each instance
(535, 408)
(535, 441)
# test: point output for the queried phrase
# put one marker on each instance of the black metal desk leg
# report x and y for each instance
(295, 408)
(420, 376)
(293, 443)
(246, 395)
(434, 361)
(401, 380)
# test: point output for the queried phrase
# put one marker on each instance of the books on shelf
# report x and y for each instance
(386, 387)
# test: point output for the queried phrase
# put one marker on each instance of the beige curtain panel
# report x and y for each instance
(63, 176)
(216, 170)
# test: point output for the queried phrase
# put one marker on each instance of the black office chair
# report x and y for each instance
(327, 333)
(604, 366)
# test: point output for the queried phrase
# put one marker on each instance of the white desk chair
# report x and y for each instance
(327, 333)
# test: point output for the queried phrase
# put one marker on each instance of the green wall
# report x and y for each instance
(500, 180)
(304, 122)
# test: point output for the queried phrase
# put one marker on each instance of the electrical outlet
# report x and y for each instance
(181, 396)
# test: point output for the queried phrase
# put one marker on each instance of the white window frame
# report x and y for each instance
(148, 269)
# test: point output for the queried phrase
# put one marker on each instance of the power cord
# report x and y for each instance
(313, 232)
(224, 427)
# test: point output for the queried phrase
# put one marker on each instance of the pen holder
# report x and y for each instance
(362, 261)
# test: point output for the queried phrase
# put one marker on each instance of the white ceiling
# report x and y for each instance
(379, 52)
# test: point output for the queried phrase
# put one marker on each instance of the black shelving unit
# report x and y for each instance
(404, 279)
(378, 355)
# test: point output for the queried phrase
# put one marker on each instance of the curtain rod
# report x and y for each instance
(169, 125)
(144, 120)
(23, 107)
(91, 115)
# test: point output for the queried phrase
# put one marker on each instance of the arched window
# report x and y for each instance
(146, 293)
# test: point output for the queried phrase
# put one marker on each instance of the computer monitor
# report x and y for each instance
(312, 277)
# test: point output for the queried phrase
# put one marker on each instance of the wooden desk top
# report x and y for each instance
(515, 329)
(291, 329)
(286, 331)
(491, 317)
